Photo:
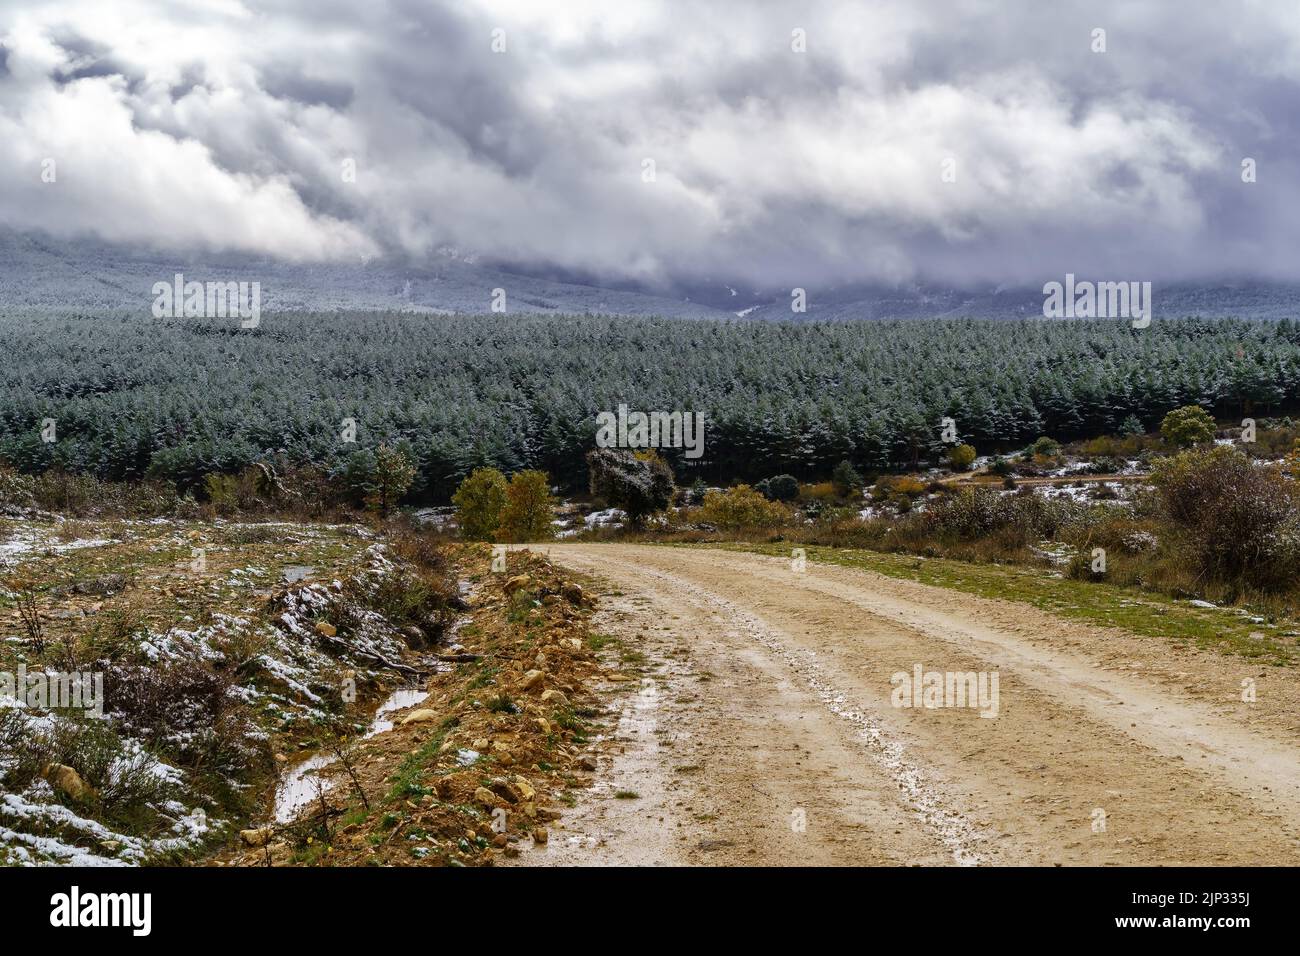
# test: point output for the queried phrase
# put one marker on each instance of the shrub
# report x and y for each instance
(1240, 520)
(696, 494)
(1187, 426)
(479, 501)
(251, 489)
(529, 508)
(821, 492)
(779, 488)
(975, 513)
(1044, 447)
(1131, 427)
(390, 480)
(740, 507)
(903, 485)
(1104, 465)
(640, 484)
(960, 457)
(846, 479)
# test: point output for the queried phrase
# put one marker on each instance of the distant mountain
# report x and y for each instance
(38, 272)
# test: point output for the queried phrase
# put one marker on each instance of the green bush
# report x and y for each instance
(529, 508)
(1131, 427)
(1187, 426)
(479, 501)
(779, 488)
(846, 479)
(960, 457)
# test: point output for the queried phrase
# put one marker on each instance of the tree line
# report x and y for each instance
(181, 399)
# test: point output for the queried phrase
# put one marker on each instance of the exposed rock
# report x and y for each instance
(259, 837)
(540, 835)
(573, 593)
(66, 780)
(422, 716)
(104, 584)
(523, 788)
(587, 762)
(531, 680)
(554, 697)
(517, 582)
(326, 628)
(486, 797)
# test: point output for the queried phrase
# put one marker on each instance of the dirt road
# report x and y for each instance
(762, 728)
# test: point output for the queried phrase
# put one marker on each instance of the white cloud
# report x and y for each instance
(223, 125)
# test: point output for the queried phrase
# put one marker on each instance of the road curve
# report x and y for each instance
(765, 729)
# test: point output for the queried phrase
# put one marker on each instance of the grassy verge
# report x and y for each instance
(1229, 630)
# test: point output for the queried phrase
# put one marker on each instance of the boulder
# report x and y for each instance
(258, 837)
(68, 782)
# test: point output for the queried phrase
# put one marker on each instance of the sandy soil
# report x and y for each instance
(763, 731)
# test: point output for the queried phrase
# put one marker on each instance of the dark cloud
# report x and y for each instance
(772, 167)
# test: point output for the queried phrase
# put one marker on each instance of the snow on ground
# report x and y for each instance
(610, 517)
(33, 539)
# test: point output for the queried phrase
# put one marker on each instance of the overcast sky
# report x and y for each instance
(225, 124)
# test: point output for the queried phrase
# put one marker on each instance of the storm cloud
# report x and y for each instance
(795, 144)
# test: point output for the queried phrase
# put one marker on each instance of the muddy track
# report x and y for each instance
(762, 730)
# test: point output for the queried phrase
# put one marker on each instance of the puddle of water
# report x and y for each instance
(399, 700)
(302, 783)
(300, 787)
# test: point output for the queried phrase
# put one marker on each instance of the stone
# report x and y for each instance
(518, 582)
(531, 679)
(66, 780)
(524, 789)
(540, 835)
(326, 628)
(554, 697)
(258, 837)
(422, 716)
(486, 797)
(573, 593)
(587, 762)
